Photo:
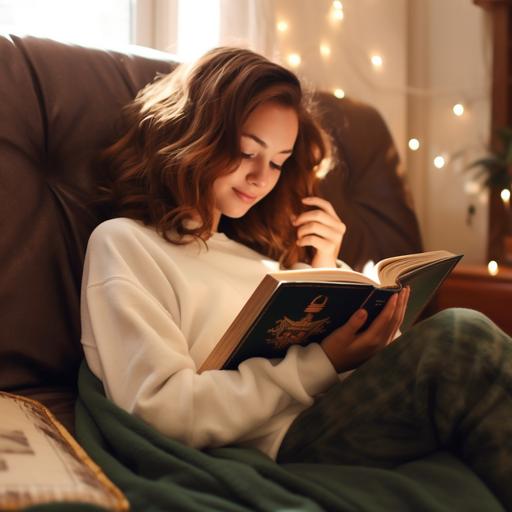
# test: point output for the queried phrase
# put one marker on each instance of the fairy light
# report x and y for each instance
(414, 144)
(325, 50)
(282, 26)
(339, 93)
(439, 161)
(505, 196)
(376, 61)
(337, 13)
(492, 267)
(294, 60)
(458, 109)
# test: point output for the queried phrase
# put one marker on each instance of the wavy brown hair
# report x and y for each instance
(184, 131)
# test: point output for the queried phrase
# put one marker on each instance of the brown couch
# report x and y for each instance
(60, 104)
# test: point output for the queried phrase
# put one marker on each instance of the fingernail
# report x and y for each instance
(360, 314)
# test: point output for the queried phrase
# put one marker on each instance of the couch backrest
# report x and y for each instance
(59, 105)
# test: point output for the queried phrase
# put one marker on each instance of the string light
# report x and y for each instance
(505, 196)
(439, 161)
(492, 267)
(325, 50)
(414, 144)
(282, 26)
(376, 61)
(337, 13)
(294, 60)
(458, 109)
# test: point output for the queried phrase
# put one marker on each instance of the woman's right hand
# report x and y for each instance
(346, 349)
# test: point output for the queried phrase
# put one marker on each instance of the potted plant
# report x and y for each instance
(494, 172)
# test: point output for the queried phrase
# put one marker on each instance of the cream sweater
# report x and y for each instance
(151, 313)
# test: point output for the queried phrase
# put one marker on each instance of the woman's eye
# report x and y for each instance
(247, 155)
(276, 166)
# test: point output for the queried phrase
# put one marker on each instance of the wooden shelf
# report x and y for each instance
(471, 286)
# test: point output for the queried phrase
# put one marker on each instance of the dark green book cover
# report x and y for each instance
(302, 313)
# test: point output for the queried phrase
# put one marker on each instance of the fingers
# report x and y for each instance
(322, 229)
(326, 216)
(323, 204)
(384, 327)
(346, 349)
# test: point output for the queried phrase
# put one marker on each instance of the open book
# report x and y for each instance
(40, 462)
(303, 306)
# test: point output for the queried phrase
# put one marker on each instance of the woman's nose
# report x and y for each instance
(258, 174)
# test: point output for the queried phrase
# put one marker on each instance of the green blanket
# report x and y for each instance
(159, 474)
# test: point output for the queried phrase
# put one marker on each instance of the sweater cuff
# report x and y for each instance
(316, 371)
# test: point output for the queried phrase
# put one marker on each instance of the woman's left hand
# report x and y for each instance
(322, 229)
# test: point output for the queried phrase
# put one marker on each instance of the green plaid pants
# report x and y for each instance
(446, 384)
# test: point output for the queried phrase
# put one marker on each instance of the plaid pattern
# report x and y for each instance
(446, 384)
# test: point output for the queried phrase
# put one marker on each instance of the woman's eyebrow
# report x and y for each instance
(263, 143)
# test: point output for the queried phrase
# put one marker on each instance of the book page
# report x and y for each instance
(390, 269)
(323, 274)
(38, 464)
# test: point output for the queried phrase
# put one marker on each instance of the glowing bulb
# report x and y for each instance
(458, 109)
(376, 61)
(325, 50)
(337, 5)
(337, 15)
(414, 144)
(492, 268)
(439, 162)
(282, 26)
(505, 196)
(294, 60)
(339, 93)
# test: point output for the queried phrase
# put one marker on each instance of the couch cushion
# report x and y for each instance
(60, 103)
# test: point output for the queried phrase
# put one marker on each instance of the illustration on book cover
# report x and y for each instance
(288, 332)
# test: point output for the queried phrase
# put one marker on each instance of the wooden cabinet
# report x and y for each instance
(471, 286)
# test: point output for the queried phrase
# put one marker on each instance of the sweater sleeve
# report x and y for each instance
(136, 348)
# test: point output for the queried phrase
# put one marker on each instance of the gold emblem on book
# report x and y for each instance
(288, 332)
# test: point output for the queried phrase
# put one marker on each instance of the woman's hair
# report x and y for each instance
(184, 131)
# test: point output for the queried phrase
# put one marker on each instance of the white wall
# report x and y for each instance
(450, 62)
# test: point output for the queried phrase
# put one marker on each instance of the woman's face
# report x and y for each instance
(267, 141)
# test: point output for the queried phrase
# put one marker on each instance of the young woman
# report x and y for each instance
(212, 186)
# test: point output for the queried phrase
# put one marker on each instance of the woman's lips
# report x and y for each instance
(244, 197)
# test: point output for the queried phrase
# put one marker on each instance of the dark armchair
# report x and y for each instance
(60, 104)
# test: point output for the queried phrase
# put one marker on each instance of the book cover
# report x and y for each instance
(301, 313)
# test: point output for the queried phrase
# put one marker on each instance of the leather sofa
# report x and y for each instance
(59, 105)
